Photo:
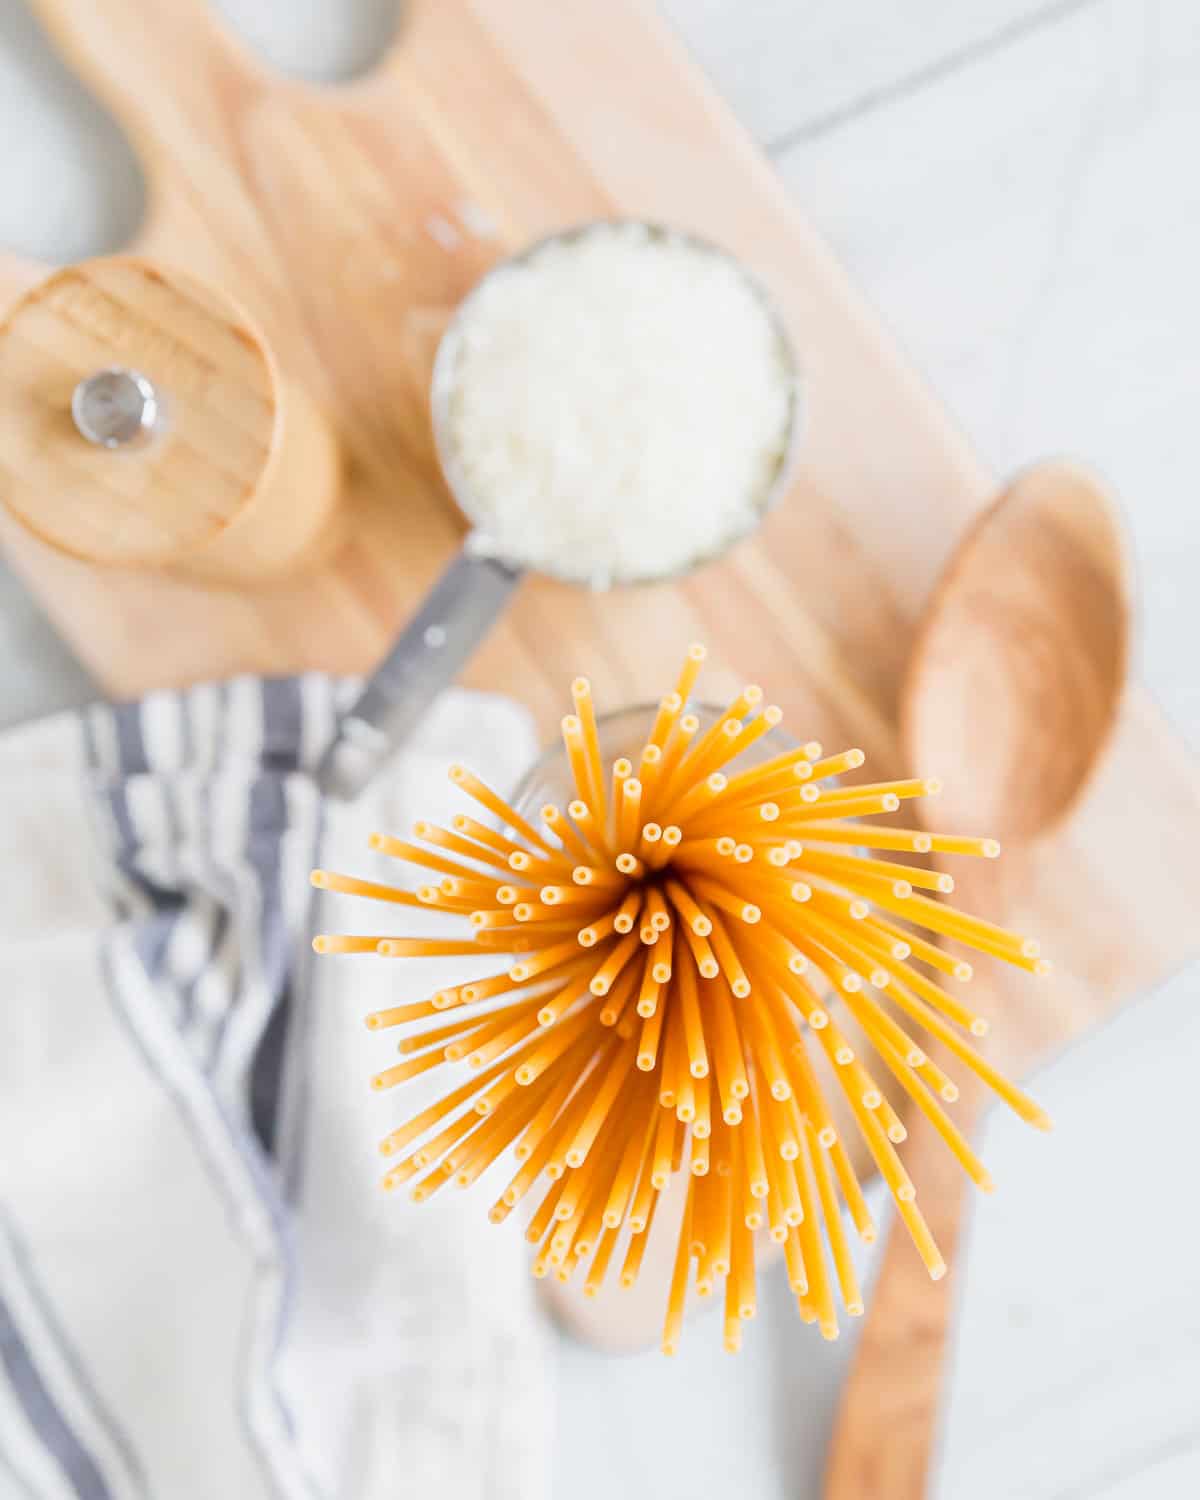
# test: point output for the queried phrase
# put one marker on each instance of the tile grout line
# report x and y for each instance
(921, 78)
(1174, 1446)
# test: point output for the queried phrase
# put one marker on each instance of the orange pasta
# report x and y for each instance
(669, 950)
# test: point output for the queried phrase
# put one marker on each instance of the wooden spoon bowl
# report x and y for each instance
(1020, 665)
(1013, 692)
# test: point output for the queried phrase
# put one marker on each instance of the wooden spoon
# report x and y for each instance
(1012, 694)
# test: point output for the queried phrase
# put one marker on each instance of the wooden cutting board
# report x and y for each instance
(349, 221)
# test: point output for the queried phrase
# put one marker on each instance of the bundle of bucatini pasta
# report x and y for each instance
(671, 950)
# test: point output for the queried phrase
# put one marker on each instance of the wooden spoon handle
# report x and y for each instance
(886, 1426)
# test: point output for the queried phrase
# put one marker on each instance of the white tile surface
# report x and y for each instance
(1077, 1368)
(795, 69)
(1030, 229)
(39, 673)
(1029, 226)
(1015, 186)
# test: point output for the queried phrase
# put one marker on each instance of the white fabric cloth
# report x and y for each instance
(203, 1291)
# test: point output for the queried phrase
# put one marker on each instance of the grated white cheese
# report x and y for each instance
(618, 406)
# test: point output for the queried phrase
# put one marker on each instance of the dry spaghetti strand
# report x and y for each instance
(659, 977)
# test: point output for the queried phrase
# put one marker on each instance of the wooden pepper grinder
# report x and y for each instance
(144, 424)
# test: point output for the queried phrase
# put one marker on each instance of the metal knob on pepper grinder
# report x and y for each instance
(145, 424)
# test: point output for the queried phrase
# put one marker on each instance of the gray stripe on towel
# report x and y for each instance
(43, 1416)
(283, 721)
(120, 1459)
(131, 747)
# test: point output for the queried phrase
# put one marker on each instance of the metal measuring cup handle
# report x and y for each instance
(459, 611)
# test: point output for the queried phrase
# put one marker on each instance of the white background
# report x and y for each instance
(1015, 185)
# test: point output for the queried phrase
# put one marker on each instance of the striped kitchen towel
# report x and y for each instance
(202, 1290)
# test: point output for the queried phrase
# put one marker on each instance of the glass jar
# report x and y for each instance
(625, 731)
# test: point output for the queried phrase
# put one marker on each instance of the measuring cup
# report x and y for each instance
(472, 592)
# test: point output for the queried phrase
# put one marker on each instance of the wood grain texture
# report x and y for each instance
(313, 210)
(1017, 679)
(1018, 672)
(347, 223)
(16, 276)
(884, 1439)
(885, 1433)
(242, 484)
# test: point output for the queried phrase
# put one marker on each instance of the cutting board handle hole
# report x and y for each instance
(319, 41)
